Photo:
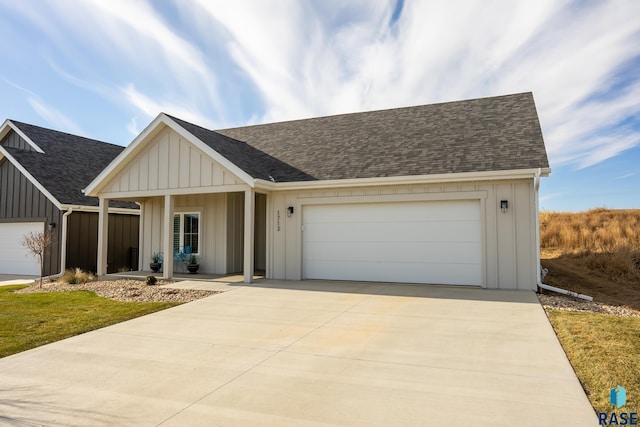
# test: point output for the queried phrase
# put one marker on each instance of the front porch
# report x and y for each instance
(180, 277)
(192, 200)
(224, 230)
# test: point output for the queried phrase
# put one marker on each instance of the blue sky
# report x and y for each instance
(105, 69)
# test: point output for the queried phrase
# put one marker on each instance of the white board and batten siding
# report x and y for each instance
(15, 258)
(453, 233)
(169, 161)
(411, 242)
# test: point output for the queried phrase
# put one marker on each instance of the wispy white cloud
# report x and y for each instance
(304, 62)
(51, 115)
(54, 117)
(219, 62)
(151, 107)
(626, 175)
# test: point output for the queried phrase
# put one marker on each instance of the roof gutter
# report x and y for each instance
(404, 180)
(541, 271)
(81, 208)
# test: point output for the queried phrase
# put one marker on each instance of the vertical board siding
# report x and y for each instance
(123, 237)
(15, 141)
(82, 241)
(260, 237)
(21, 201)
(235, 232)
(213, 229)
(508, 238)
(170, 162)
(163, 161)
(524, 224)
(153, 169)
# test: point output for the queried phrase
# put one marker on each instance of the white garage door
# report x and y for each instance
(414, 242)
(14, 258)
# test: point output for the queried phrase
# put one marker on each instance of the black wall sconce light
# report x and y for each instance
(51, 226)
(504, 205)
(290, 211)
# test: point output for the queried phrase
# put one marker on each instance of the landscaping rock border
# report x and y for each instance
(568, 303)
(125, 290)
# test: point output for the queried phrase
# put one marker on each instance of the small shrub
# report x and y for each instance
(151, 280)
(156, 257)
(76, 276)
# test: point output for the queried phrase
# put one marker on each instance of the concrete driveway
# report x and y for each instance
(16, 279)
(308, 354)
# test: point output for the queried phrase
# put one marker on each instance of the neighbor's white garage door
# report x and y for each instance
(14, 258)
(415, 242)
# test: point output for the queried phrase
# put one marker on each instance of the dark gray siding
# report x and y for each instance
(21, 201)
(82, 241)
(14, 140)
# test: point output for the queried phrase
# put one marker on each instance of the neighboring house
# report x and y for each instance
(441, 194)
(42, 174)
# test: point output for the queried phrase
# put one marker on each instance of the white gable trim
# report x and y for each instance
(147, 135)
(14, 162)
(8, 126)
(226, 163)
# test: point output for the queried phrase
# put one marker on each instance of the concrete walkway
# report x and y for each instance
(308, 354)
(15, 279)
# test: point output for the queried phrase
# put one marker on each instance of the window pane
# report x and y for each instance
(176, 233)
(191, 232)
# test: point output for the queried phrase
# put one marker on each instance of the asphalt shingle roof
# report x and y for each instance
(487, 134)
(69, 163)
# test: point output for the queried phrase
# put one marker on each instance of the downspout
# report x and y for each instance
(63, 248)
(542, 272)
(140, 236)
(63, 254)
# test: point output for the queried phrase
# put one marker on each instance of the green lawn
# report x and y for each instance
(604, 350)
(31, 320)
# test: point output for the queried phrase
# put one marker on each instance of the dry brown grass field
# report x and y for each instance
(595, 253)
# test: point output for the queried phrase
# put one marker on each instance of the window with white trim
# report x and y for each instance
(186, 232)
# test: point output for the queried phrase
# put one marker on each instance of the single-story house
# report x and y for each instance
(437, 194)
(42, 174)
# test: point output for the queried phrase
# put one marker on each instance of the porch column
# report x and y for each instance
(141, 255)
(103, 236)
(167, 237)
(249, 218)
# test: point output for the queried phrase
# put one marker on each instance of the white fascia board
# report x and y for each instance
(226, 163)
(8, 126)
(82, 208)
(403, 180)
(30, 177)
(143, 194)
(145, 136)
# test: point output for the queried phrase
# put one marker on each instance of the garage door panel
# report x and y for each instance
(441, 231)
(415, 242)
(443, 274)
(405, 211)
(14, 258)
(463, 253)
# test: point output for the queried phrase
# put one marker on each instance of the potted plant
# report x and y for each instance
(156, 262)
(193, 265)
